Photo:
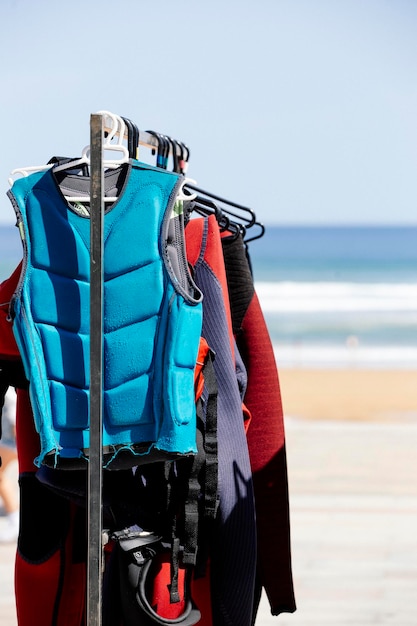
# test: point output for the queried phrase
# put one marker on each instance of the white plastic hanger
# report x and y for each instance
(21, 172)
(186, 196)
(113, 142)
(117, 129)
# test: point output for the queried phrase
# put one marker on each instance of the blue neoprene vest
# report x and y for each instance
(152, 319)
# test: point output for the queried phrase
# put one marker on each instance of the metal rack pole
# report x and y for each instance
(95, 479)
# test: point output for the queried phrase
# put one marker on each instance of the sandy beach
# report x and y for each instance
(350, 394)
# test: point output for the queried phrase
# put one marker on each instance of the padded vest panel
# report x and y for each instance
(152, 319)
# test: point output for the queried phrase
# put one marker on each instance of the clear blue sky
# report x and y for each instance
(305, 110)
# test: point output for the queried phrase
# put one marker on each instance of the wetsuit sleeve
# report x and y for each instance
(8, 347)
(266, 435)
(11, 368)
(3, 389)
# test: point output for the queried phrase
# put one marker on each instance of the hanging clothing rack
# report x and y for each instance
(95, 478)
(98, 133)
(218, 219)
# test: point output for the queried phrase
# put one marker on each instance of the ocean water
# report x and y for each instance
(339, 296)
(331, 296)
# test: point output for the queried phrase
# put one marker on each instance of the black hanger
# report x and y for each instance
(259, 235)
(203, 206)
(185, 156)
(166, 145)
(158, 151)
(179, 160)
(241, 222)
(249, 221)
(163, 142)
(206, 207)
(130, 137)
(135, 141)
(175, 146)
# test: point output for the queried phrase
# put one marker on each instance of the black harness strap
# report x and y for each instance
(210, 443)
(203, 477)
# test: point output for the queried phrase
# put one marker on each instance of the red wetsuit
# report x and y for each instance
(50, 560)
(266, 435)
